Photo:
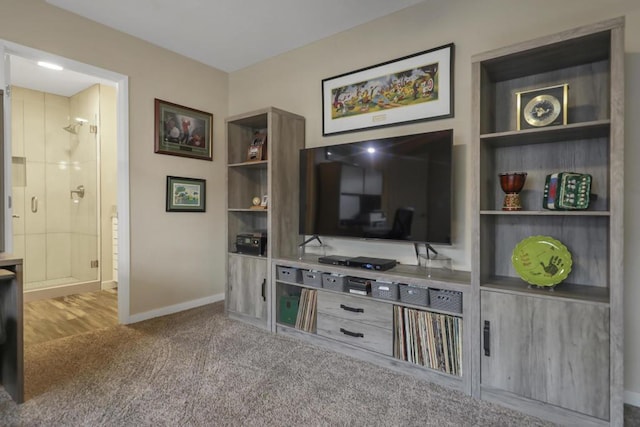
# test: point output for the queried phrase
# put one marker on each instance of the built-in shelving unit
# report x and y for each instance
(248, 273)
(554, 353)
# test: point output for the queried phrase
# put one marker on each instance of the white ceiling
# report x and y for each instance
(232, 34)
(225, 34)
(26, 73)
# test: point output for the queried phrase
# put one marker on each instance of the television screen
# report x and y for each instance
(394, 188)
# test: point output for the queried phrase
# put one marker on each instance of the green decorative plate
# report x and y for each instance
(542, 260)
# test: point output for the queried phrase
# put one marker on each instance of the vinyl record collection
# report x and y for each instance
(306, 319)
(429, 339)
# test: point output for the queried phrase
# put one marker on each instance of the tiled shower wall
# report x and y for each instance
(59, 239)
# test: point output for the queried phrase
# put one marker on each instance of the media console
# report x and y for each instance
(396, 325)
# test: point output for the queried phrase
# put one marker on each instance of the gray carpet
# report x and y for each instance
(200, 368)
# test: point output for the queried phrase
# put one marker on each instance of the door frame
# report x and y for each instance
(121, 82)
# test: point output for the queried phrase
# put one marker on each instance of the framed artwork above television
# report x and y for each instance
(409, 89)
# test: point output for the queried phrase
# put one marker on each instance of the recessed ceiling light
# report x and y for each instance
(50, 66)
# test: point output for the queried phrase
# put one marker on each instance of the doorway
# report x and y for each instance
(62, 214)
(69, 208)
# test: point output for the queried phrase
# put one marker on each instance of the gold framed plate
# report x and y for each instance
(542, 107)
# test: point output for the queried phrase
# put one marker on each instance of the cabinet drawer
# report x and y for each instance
(359, 309)
(355, 333)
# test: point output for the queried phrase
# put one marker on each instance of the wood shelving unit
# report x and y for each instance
(248, 276)
(527, 338)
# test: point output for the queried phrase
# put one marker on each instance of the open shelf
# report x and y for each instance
(565, 290)
(546, 213)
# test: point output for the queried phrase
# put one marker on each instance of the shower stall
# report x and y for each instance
(56, 190)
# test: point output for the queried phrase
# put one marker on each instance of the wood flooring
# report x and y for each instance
(46, 320)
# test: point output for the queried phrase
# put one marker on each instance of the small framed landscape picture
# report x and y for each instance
(182, 131)
(185, 194)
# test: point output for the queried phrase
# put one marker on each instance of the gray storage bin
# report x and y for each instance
(384, 290)
(334, 282)
(414, 295)
(312, 278)
(289, 274)
(446, 300)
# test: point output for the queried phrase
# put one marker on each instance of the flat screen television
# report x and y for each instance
(397, 188)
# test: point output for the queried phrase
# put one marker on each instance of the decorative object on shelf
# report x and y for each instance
(542, 261)
(258, 203)
(542, 107)
(258, 149)
(182, 131)
(512, 183)
(567, 191)
(185, 194)
(412, 88)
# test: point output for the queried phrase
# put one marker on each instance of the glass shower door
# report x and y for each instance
(54, 189)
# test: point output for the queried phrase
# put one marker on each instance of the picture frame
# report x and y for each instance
(258, 149)
(542, 107)
(185, 194)
(183, 131)
(410, 89)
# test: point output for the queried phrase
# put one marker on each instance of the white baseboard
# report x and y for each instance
(174, 308)
(109, 284)
(632, 398)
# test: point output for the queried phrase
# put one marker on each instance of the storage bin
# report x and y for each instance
(445, 300)
(312, 278)
(289, 274)
(414, 295)
(384, 290)
(334, 282)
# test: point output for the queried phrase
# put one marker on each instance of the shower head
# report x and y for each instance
(73, 127)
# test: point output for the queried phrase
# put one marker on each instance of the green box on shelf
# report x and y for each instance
(289, 309)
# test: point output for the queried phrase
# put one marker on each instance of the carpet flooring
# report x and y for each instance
(199, 368)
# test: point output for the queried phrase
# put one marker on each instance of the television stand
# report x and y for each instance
(309, 240)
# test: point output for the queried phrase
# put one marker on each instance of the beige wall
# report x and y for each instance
(175, 257)
(292, 81)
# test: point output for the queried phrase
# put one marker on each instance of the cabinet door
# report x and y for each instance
(247, 286)
(550, 350)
